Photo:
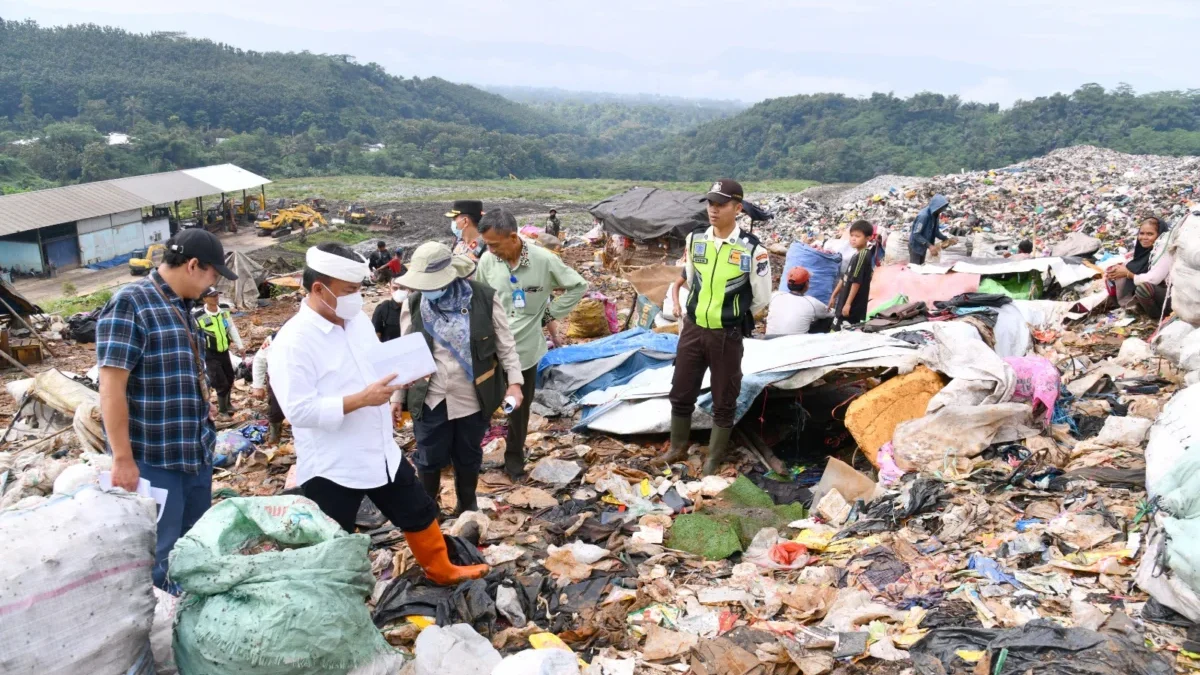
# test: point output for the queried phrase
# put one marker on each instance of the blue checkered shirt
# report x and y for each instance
(169, 426)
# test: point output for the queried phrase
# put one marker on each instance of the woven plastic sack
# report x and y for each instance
(299, 608)
(589, 319)
(822, 267)
(1185, 271)
(75, 588)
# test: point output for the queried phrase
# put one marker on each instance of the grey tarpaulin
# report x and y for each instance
(243, 293)
(649, 213)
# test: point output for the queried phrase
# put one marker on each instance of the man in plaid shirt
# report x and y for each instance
(153, 395)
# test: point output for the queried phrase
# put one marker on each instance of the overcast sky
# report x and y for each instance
(983, 50)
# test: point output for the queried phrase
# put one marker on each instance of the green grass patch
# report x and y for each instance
(378, 189)
(84, 303)
(342, 235)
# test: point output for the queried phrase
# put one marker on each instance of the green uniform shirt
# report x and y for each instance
(538, 273)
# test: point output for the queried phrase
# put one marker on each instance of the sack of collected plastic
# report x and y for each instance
(1173, 438)
(273, 586)
(1185, 270)
(75, 588)
(823, 267)
(1038, 381)
(1156, 576)
(589, 319)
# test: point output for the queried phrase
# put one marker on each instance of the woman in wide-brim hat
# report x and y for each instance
(477, 367)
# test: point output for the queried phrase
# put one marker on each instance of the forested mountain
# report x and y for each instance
(186, 103)
(830, 137)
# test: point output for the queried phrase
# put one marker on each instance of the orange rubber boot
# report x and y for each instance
(429, 548)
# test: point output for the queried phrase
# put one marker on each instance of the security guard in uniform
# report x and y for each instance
(219, 331)
(728, 273)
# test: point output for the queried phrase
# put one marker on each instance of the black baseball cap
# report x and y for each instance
(470, 207)
(723, 190)
(198, 243)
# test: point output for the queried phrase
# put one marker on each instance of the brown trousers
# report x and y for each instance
(701, 349)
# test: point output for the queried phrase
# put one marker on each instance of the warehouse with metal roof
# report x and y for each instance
(95, 224)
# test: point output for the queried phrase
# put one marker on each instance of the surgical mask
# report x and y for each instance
(433, 296)
(347, 306)
(399, 295)
(455, 229)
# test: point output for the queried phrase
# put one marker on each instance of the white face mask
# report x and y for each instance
(347, 306)
(399, 295)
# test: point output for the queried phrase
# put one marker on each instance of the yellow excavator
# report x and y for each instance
(285, 220)
(146, 259)
(360, 215)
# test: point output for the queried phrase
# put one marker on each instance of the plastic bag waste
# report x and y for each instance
(1040, 646)
(75, 585)
(1126, 432)
(555, 472)
(281, 570)
(455, 650)
(958, 431)
(539, 662)
(1172, 437)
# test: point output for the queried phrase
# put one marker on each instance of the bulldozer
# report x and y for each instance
(146, 259)
(286, 220)
(358, 215)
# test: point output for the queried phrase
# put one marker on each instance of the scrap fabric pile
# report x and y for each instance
(1098, 192)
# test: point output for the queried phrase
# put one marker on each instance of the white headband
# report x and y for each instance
(353, 271)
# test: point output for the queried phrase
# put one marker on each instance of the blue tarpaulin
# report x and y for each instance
(822, 267)
(635, 339)
(106, 264)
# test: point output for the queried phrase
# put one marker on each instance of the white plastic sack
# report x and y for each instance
(1185, 271)
(927, 442)
(457, 650)
(1134, 350)
(1169, 341)
(161, 633)
(1166, 587)
(75, 585)
(1189, 352)
(1123, 432)
(539, 662)
(1172, 437)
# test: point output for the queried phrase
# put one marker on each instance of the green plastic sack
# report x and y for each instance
(729, 523)
(1018, 286)
(300, 609)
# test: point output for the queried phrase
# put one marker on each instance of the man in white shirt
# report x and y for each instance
(321, 372)
(792, 312)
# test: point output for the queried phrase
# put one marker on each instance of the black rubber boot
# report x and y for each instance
(681, 431)
(465, 484)
(514, 462)
(274, 433)
(716, 450)
(224, 407)
(432, 482)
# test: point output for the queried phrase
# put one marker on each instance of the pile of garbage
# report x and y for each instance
(1098, 192)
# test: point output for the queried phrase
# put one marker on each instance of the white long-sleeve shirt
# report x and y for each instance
(259, 380)
(313, 365)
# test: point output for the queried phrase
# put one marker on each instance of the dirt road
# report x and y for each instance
(88, 281)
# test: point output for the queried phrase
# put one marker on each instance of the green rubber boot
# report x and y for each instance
(681, 431)
(716, 450)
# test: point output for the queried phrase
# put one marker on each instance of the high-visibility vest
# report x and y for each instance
(721, 293)
(216, 335)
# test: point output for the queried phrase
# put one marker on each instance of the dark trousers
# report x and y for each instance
(189, 495)
(442, 441)
(220, 371)
(274, 412)
(518, 421)
(403, 501)
(916, 256)
(700, 349)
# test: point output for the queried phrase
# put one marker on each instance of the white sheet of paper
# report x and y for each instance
(408, 357)
(144, 489)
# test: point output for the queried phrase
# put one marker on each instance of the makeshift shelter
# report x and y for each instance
(19, 303)
(250, 275)
(649, 213)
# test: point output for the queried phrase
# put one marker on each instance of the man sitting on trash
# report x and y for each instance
(329, 389)
(793, 312)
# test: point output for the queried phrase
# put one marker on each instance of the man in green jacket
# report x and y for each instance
(525, 276)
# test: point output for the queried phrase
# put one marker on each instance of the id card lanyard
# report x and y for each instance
(518, 294)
